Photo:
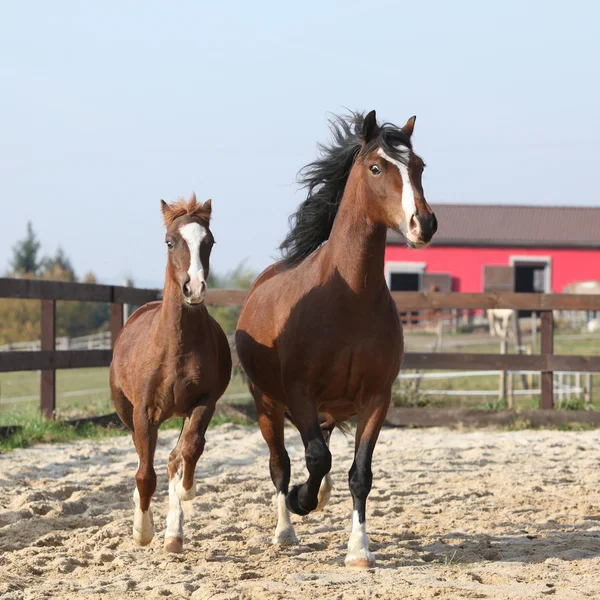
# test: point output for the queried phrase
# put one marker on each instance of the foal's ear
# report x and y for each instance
(370, 128)
(410, 125)
(167, 212)
(207, 208)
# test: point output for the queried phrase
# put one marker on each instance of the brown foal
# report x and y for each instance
(172, 358)
(319, 335)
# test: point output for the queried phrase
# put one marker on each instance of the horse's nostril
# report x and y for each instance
(186, 290)
(414, 224)
(434, 224)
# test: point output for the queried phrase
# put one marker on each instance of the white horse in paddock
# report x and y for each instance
(499, 320)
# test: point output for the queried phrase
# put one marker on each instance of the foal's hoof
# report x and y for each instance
(286, 537)
(174, 544)
(140, 540)
(360, 560)
(292, 501)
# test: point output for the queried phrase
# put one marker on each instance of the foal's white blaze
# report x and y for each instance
(408, 195)
(284, 532)
(143, 524)
(193, 234)
(358, 545)
(174, 530)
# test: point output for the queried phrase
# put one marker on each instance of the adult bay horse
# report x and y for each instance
(319, 335)
(172, 358)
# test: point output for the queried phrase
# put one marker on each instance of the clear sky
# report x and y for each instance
(107, 107)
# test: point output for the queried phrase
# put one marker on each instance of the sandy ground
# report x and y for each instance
(451, 515)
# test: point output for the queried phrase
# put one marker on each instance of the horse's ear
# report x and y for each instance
(409, 127)
(370, 128)
(207, 207)
(167, 212)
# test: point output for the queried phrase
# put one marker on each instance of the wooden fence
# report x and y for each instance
(48, 359)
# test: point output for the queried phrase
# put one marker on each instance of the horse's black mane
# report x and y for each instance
(325, 180)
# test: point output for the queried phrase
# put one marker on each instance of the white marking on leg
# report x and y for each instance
(174, 532)
(186, 494)
(325, 491)
(358, 545)
(143, 523)
(284, 532)
(193, 234)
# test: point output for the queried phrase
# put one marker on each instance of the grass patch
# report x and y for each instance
(35, 430)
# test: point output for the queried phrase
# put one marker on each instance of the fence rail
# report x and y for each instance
(48, 359)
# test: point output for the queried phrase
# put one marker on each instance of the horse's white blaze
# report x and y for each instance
(284, 532)
(408, 194)
(358, 544)
(193, 234)
(143, 525)
(175, 514)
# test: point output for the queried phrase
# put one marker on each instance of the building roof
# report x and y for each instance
(516, 226)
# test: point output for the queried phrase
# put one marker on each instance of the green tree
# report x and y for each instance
(25, 254)
(58, 267)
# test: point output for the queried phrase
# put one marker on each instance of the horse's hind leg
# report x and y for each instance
(370, 419)
(327, 426)
(181, 469)
(271, 421)
(144, 437)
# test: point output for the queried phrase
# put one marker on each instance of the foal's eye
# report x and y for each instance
(169, 244)
(375, 170)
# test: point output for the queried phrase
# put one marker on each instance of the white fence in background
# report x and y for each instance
(96, 341)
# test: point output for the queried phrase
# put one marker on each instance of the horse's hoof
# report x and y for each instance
(292, 501)
(174, 544)
(141, 541)
(287, 537)
(363, 560)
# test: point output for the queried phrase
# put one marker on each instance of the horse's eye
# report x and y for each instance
(375, 170)
(169, 244)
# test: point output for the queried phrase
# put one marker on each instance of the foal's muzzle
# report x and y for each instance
(194, 291)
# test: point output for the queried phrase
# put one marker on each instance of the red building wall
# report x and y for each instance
(466, 264)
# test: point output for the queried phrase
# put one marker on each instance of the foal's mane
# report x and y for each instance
(325, 179)
(191, 207)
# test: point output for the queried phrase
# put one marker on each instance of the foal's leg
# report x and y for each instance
(144, 437)
(174, 531)
(360, 477)
(305, 498)
(181, 468)
(271, 421)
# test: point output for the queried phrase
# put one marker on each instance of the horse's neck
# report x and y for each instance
(356, 246)
(179, 324)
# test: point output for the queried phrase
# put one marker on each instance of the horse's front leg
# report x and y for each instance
(181, 468)
(304, 498)
(145, 433)
(370, 420)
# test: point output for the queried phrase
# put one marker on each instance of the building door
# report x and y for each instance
(531, 277)
(406, 282)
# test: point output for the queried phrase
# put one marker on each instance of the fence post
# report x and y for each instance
(48, 342)
(116, 322)
(547, 347)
